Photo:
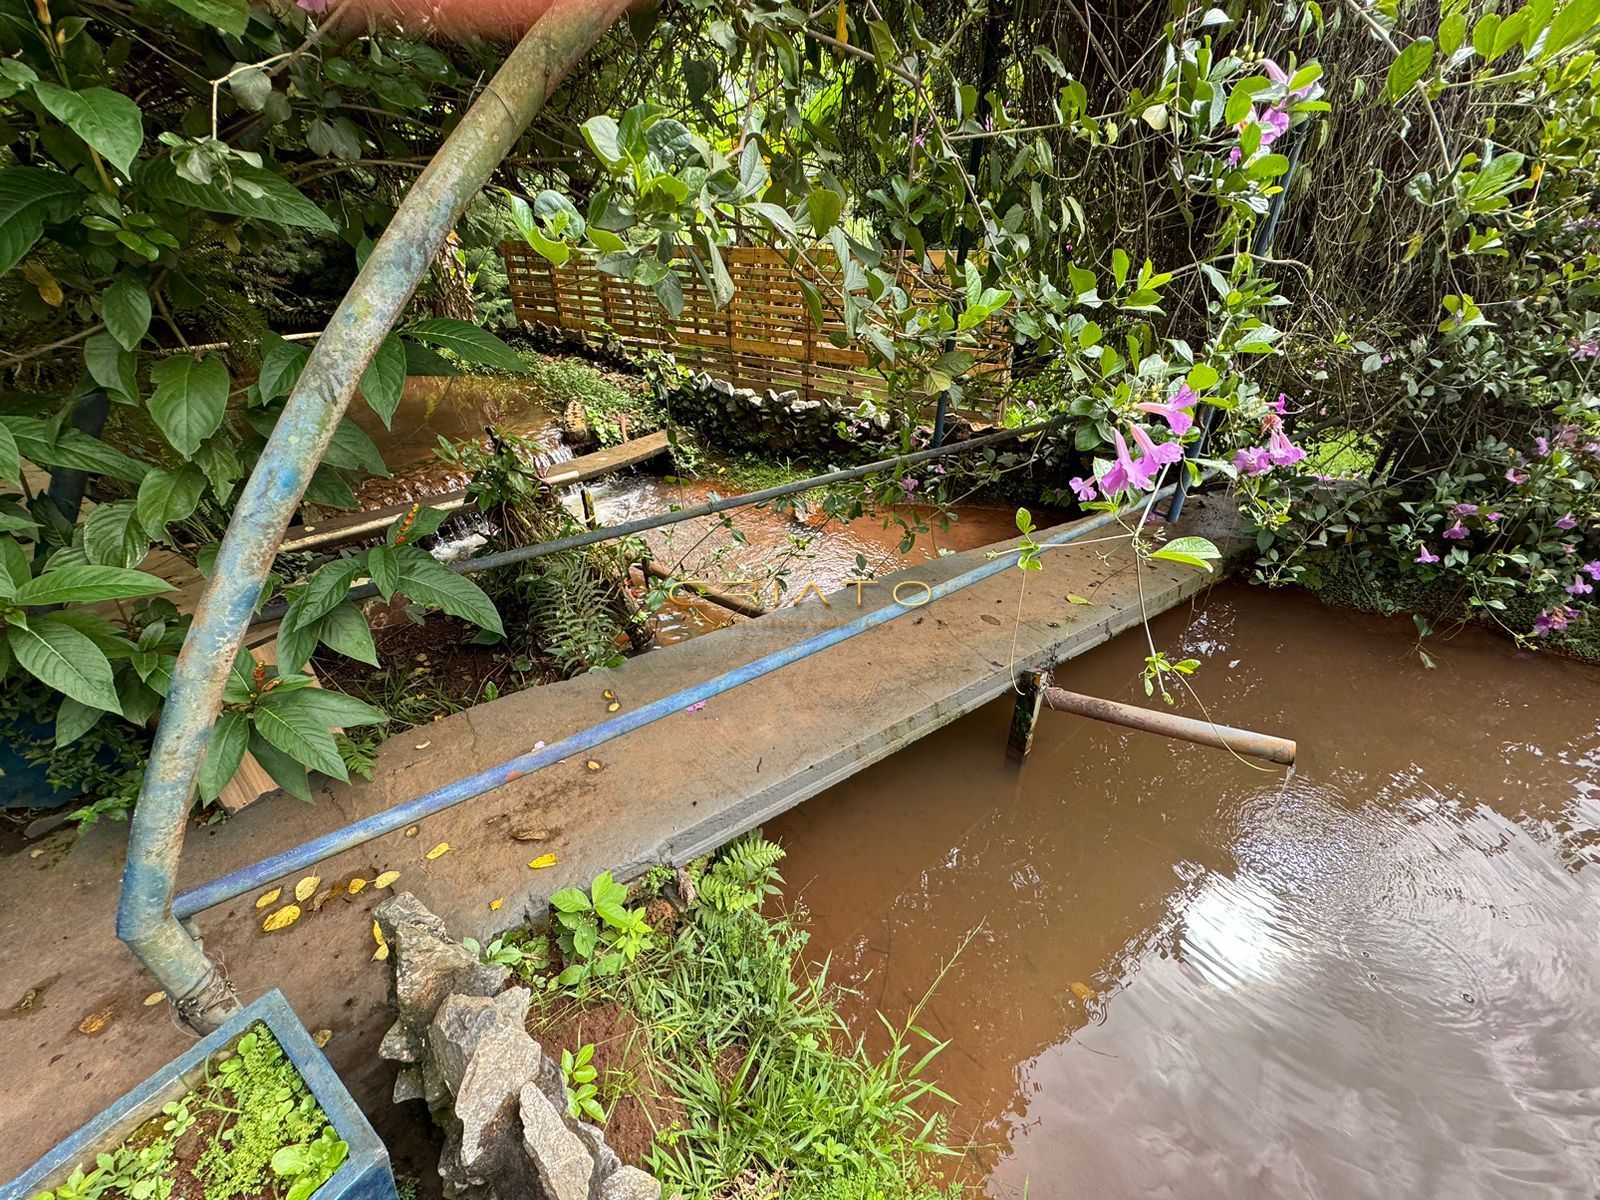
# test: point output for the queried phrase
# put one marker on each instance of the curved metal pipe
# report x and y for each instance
(364, 318)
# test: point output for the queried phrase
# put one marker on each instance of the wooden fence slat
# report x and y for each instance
(764, 338)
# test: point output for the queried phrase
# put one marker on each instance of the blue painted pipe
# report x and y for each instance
(291, 861)
(374, 303)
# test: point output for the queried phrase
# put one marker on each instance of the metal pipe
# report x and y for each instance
(257, 875)
(608, 533)
(365, 316)
(1187, 729)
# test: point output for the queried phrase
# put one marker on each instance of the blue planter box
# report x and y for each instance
(365, 1174)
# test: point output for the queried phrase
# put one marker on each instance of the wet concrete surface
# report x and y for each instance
(1188, 977)
(80, 1035)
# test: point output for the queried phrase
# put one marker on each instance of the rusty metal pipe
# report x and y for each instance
(366, 315)
(1202, 733)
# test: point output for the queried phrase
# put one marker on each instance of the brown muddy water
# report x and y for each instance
(1189, 978)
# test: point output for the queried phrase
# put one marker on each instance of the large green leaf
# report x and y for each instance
(107, 120)
(285, 771)
(113, 536)
(228, 741)
(279, 200)
(427, 581)
(62, 658)
(1408, 68)
(125, 308)
(84, 584)
(112, 367)
(326, 589)
(345, 630)
(230, 16)
(189, 399)
(467, 341)
(384, 568)
(337, 709)
(29, 197)
(281, 363)
(10, 457)
(166, 496)
(288, 723)
(1190, 551)
(383, 382)
(73, 720)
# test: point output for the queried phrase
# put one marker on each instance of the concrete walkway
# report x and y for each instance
(75, 1032)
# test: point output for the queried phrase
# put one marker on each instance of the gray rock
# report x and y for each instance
(605, 1158)
(408, 1085)
(405, 909)
(401, 1044)
(461, 1025)
(629, 1183)
(487, 1109)
(560, 1162)
(428, 968)
(548, 1077)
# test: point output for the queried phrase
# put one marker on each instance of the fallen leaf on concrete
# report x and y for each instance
(1074, 598)
(267, 898)
(154, 998)
(357, 885)
(282, 919)
(423, 745)
(531, 835)
(384, 880)
(695, 707)
(543, 861)
(323, 897)
(321, 1038)
(411, 831)
(989, 618)
(306, 888)
(94, 1024)
(609, 694)
(613, 706)
(494, 905)
(592, 765)
(441, 848)
(382, 952)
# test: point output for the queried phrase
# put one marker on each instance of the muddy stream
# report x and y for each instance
(1190, 978)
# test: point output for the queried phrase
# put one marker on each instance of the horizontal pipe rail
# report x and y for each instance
(610, 533)
(288, 862)
(1187, 729)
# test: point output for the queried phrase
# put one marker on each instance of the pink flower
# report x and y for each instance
(1492, 516)
(1160, 454)
(1541, 446)
(313, 6)
(1426, 556)
(1281, 77)
(1082, 488)
(1515, 476)
(1456, 532)
(1463, 510)
(1175, 411)
(1591, 569)
(1567, 522)
(908, 483)
(1252, 461)
(1579, 587)
(1281, 450)
(695, 707)
(1125, 472)
(1281, 404)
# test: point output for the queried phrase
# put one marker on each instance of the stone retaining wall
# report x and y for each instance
(461, 1038)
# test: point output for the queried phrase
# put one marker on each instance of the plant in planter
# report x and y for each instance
(252, 1112)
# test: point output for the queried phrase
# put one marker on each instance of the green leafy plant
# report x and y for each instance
(578, 1078)
(597, 932)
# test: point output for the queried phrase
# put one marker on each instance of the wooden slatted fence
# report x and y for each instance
(763, 338)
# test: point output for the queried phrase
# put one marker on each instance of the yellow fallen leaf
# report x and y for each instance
(593, 766)
(321, 1038)
(282, 919)
(154, 998)
(1083, 991)
(411, 831)
(1074, 598)
(613, 706)
(385, 879)
(423, 745)
(95, 1022)
(357, 886)
(269, 897)
(494, 905)
(382, 952)
(441, 848)
(543, 861)
(306, 888)
(609, 694)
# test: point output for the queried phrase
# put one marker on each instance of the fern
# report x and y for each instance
(742, 878)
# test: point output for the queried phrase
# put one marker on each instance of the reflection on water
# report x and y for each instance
(1191, 978)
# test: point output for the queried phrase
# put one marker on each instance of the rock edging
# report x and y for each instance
(460, 1037)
